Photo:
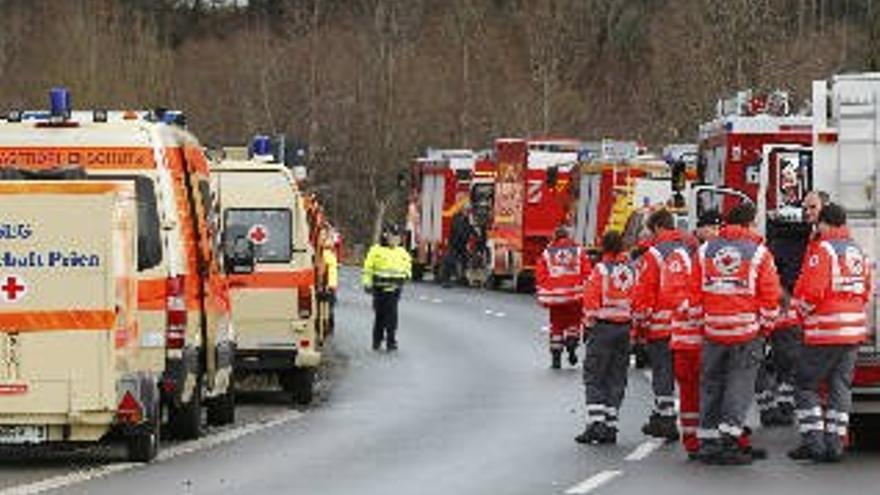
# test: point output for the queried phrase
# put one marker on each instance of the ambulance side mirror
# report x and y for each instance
(240, 257)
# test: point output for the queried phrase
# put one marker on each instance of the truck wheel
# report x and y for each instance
(143, 445)
(185, 421)
(300, 384)
(221, 411)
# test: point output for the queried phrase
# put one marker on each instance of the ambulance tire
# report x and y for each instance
(221, 411)
(300, 384)
(185, 421)
(143, 445)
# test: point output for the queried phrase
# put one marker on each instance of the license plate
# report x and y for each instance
(22, 434)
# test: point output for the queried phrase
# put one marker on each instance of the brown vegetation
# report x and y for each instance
(370, 83)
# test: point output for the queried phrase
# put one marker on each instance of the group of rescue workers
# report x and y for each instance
(716, 316)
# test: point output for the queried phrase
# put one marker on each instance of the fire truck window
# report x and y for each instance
(149, 237)
(268, 229)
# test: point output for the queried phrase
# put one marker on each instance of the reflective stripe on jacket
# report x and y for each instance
(739, 288)
(561, 273)
(609, 290)
(833, 291)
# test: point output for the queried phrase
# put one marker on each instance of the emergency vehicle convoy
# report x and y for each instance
(269, 260)
(183, 336)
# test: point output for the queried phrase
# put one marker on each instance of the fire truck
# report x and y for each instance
(836, 149)
(533, 196)
(617, 187)
(441, 182)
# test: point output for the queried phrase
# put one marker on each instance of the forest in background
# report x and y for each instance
(368, 84)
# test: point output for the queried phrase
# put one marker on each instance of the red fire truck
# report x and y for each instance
(441, 186)
(532, 198)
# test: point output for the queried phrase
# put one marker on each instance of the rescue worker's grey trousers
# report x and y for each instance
(833, 364)
(775, 385)
(605, 370)
(727, 387)
(662, 377)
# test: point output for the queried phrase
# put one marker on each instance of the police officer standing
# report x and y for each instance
(739, 296)
(607, 317)
(831, 296)
(386, 268)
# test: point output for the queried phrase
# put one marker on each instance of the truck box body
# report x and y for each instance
(68, 333)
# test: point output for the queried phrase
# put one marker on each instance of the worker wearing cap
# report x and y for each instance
(560, 275)
(739, 297)
(608, 322)
(386, 268)
(831, 296)
(708, 225)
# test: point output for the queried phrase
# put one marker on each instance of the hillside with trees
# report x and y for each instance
(370, 83)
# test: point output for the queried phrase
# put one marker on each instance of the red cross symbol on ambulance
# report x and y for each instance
(258, 234)
(13, 289)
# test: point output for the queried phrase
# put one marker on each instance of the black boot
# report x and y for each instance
(572, 353)
(589, 435)
(606, 435)
(556, 359)
(664, 427)
(731, 453)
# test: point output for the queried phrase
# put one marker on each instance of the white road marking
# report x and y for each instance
(489, 312)
(644, 450)
(436, 301)
(500, 314)
(593, 482)
(65, 480)
(423, 297)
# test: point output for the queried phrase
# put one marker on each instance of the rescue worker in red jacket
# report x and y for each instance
(739, 296)
(560, 274)
(607, 316)
(831, 296)
(660, 293)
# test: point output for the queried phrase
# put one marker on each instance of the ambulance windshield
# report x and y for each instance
(268, 229)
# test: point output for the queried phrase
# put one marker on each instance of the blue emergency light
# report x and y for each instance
(59, 103)
(261, 145)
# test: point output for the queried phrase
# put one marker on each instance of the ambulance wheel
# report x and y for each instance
(185, 421)
(300, 384)
(143, 445)
(221, 411)
(864, 430)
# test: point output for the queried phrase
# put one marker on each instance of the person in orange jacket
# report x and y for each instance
(560, 274)
(831, 296)
(662, 292)
(607, 316)
(739, 298)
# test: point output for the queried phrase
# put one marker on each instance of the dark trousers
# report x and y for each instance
(662, 377)
(605, 367)
(833, 364)
(385, 322)
(727, 387)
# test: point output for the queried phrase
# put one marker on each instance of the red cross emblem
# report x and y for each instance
(13, 289)
(258, 234)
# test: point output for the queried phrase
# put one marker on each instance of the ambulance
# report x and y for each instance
(270, 262)
(69, 342)
(183, 313)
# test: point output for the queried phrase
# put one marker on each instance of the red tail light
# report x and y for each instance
(304, 302)
(175, 312)
(866, 375)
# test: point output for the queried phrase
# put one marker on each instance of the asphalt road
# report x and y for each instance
(468, 405)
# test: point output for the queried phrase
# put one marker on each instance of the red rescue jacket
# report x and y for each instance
(561, 273)
(662, 295)
(833, 290)
(739, 286)
(609, 290)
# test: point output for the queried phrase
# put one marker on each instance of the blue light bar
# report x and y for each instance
(261, 145)
(59, 102)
